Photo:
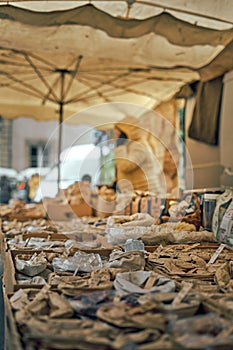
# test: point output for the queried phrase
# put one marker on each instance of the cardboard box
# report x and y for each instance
(135, 208)
(144, 205)
(66, 212)
(155, 206)
(149, 204)
(82, 209)
(105, 208)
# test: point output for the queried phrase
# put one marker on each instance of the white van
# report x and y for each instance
(76, 161)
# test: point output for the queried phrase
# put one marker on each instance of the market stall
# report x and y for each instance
(127, 278)
(95, 268)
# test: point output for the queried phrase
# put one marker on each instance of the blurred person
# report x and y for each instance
(5, 190)
(33, 184)
(164, 140)
(87, 178)
(136, 166)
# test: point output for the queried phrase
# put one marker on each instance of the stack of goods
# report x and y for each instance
(176, 294)
(187, 210)
(175, 297)
(19, 210)
(106, 203)
(73, 202)
(144, 202)
(123, 227)
(17, 229)
(176, 232)
(110, 202)
(45, 234)
(33, 245)
(222, 221)
(78, 193)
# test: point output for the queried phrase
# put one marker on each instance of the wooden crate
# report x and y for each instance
(12, 337)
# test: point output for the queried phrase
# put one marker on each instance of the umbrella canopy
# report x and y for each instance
(57, 58)
(73, 55)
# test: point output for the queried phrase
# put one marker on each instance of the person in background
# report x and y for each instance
(86, 178)
(27, 189)
(136, 166)
(5, 190)
(33, 184)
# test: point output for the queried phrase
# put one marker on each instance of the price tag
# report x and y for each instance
(151, 280)
(216, 253)
(186, 287)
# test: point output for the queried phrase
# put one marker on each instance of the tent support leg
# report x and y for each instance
(61, 104)
(59, 145)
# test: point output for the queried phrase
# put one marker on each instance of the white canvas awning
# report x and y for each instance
(138, 52)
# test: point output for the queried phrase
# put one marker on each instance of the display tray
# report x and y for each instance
(12, 285)
(48, 235)
(9, 273)
(11, 282)
(180, 311)
(67, 212)
(12, 337)
(101, 251)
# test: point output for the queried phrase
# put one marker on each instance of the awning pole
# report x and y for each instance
(60, 129)
(59, 145)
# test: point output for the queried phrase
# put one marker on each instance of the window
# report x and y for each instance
(33, 156)
(38, 154)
